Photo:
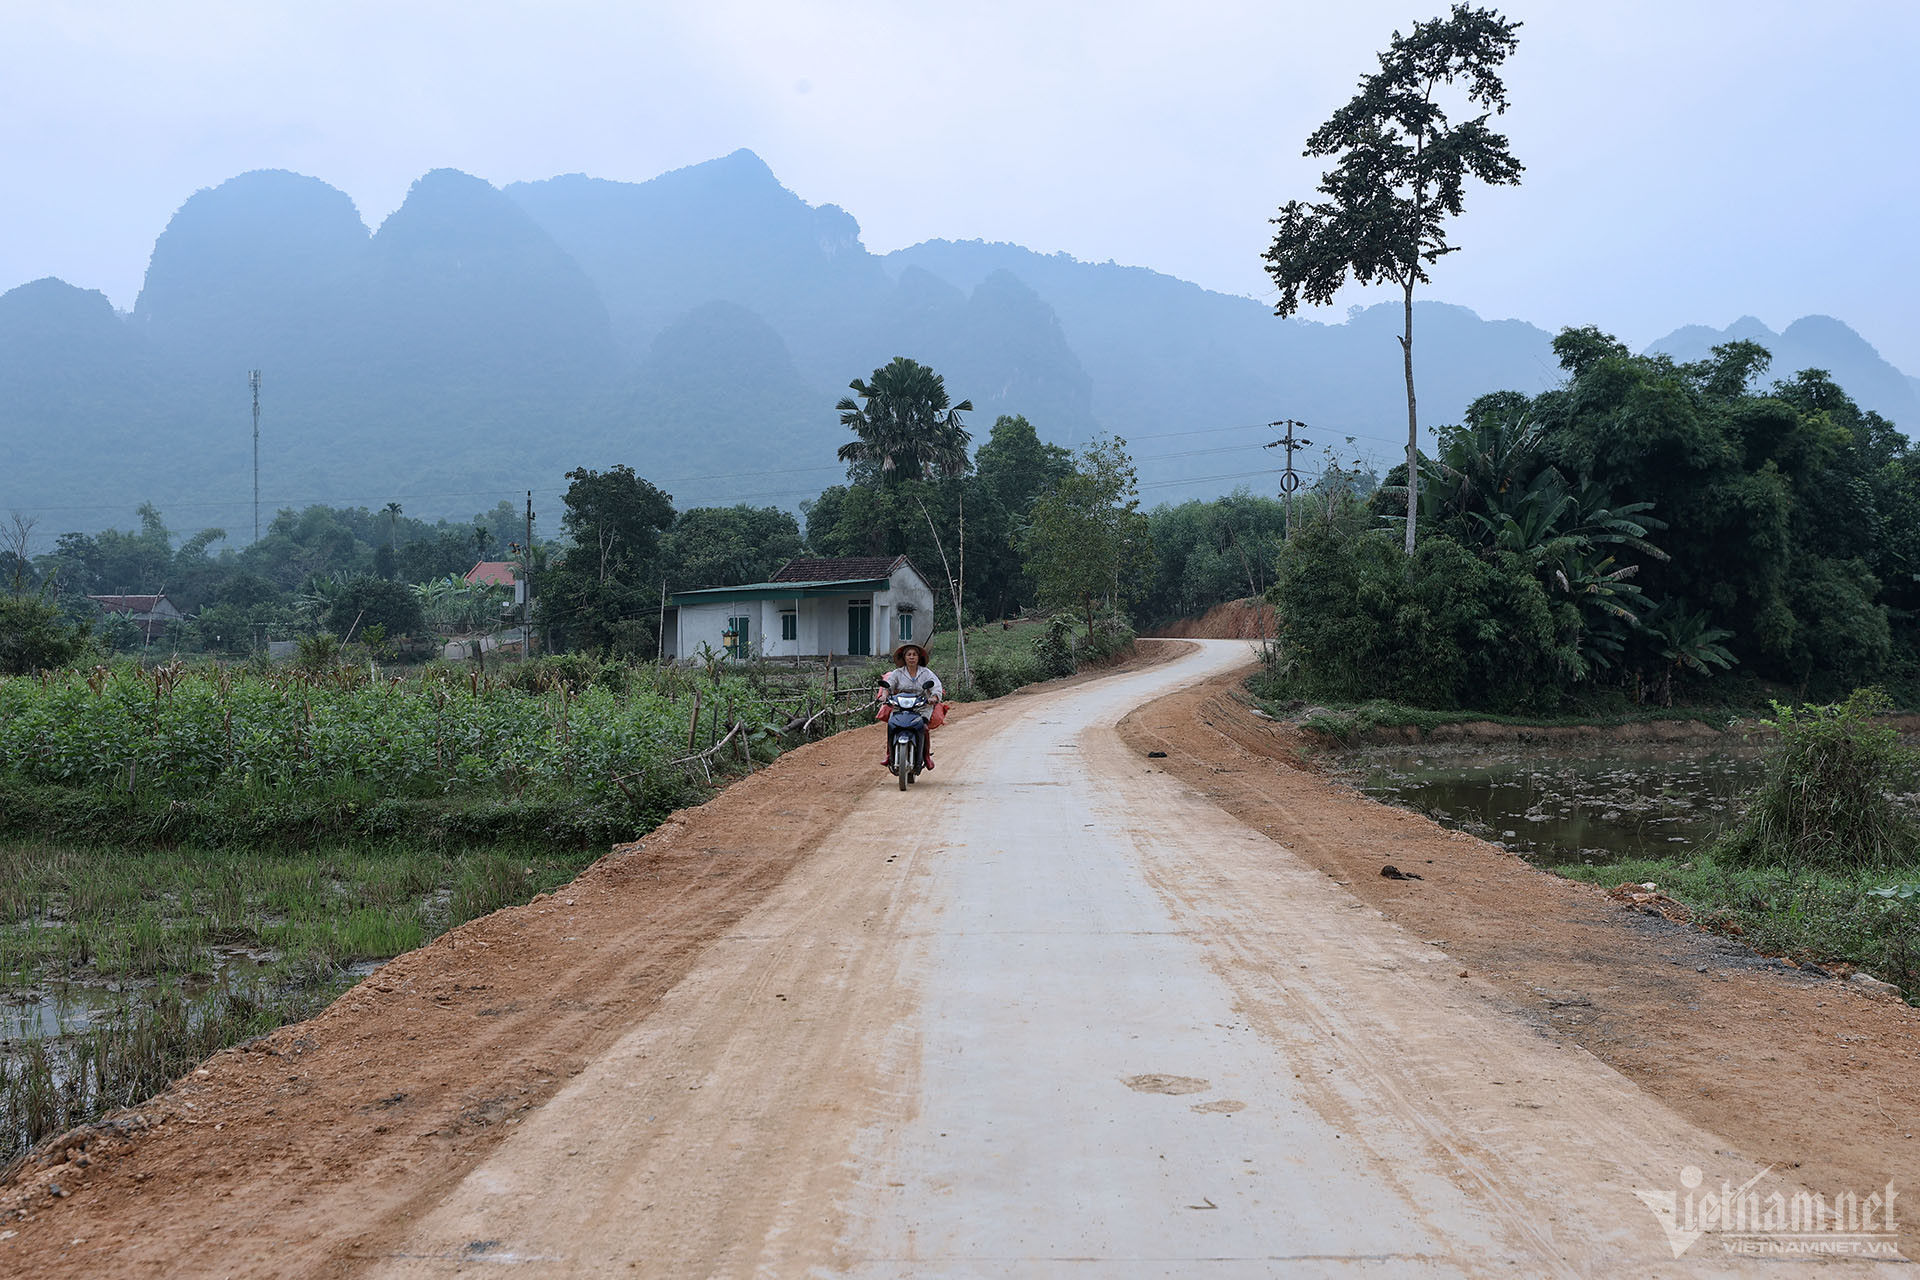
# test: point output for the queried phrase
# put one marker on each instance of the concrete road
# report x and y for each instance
(1052, 1013)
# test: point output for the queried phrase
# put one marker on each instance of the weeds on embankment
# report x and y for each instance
(175, 754)
(1868, 919)
(1828, 799)
(1824, 862)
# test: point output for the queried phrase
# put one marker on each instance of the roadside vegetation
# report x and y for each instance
(1818, 860)
(160, 957)
(572, 754)
(1823, 865)
(1751, 541)
(1868, 920)
(190, 856)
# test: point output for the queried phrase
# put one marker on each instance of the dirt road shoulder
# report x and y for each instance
(1793, 1070)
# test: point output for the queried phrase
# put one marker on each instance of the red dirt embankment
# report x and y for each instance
(1247, 619)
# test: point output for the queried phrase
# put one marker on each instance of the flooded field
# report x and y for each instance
(1597, 802)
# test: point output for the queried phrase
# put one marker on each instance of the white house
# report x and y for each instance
(154, 615)
(811, 608)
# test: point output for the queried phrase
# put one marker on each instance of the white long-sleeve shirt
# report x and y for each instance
(897, 680)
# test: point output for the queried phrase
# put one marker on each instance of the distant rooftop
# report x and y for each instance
(492, 573)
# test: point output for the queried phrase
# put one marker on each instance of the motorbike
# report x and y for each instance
(907, 714)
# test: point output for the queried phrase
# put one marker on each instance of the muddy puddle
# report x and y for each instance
(1600, 803)
(72, 1007)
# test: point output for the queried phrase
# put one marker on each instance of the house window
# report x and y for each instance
(906, 627)
(789, 625)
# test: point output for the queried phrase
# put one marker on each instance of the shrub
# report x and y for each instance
(1827, 798)
(1053, 649)
(34, 637)
(1447, 628)
(997, 677)
(368, 602)
(1110, 638)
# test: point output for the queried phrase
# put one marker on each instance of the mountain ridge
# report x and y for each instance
(697, 326)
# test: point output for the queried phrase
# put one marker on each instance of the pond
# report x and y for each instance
(1597, 801)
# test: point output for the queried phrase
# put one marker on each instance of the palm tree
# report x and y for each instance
(1686, 641)
(905, 425)
(393, 523)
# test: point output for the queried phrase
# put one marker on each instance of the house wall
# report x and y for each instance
(705, 623)
(910, 591)
(822, 621)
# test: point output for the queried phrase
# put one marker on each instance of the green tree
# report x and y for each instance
(904, 425)
(1011, 469)
(718, 546)
(1210, 552)
(1444, 628)
(604, 593)
(1088, 543)
(368, 601)
(1401, 171)
(35, 637)
(906, 428)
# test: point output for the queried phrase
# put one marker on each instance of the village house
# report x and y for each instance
(152, 614)
(494, 573)
(814, 608)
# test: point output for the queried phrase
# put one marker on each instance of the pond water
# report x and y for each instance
(55, 1009)
(69, 1007)
(1595, 801)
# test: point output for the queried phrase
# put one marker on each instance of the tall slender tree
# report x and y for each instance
(905, 427)
(1402, 163)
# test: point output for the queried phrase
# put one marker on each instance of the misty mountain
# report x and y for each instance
(699, 327)
(1812, 342)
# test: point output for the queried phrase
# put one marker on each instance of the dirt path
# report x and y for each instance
(1055, 1008)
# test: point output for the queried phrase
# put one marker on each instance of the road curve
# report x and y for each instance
(1053, 1013)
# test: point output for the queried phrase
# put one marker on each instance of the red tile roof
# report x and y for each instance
(494, 573)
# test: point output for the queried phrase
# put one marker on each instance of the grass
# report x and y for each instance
(1828, 799)
(213, 946)
(1869, 919)
(1005, 656)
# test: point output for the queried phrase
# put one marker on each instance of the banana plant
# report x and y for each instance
(1686, 641)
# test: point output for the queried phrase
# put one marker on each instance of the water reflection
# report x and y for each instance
(1597, 802)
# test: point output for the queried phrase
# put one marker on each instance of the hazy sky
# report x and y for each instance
(1686, 161)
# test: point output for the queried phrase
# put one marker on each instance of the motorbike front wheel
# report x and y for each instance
(903, 761)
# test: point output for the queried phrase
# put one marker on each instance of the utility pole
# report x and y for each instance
(526, 588)
(253, 380)
(1289, 478)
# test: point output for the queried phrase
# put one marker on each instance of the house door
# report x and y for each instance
(860, 629)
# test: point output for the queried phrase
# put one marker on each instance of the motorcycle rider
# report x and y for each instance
(908, 673)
